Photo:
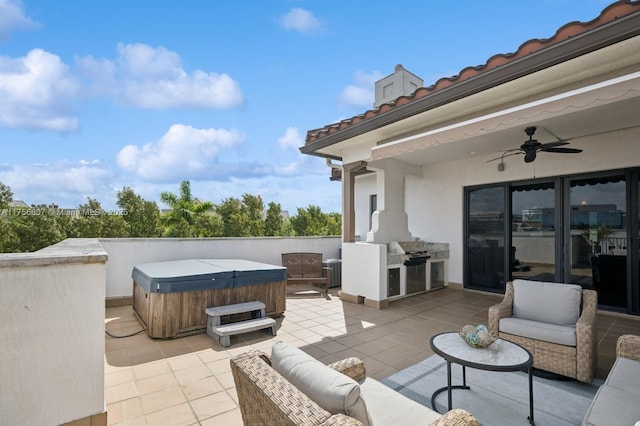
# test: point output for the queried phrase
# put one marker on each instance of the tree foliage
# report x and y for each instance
(92, 221)
(32, 232)
(36, 227)
(312, 221)
(6, 196)
(142, 216)
(182, 219)
(274, 222)
(235, 222)
(6, 233)
(253, 207)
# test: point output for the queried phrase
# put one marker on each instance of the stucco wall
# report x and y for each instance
(125, 253)
(52, 336)
(434, 203)
(364, 270)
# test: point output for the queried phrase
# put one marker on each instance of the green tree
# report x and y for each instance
(254, 208)
(235, 221)
(181, 220)
(142, 216)
(6, 233)
(209, 225)
(312, 221)
(6, 196)
(274, 222)
(26, 229)
(37, 228)
(334, 223)
(92, 221)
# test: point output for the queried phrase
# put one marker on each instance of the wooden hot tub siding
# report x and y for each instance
(169, 315)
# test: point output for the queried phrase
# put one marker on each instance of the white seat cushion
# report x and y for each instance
(388, 407)
(552, 333)
(330, 389)
(612, 407)
(553, 303)
(625, 375)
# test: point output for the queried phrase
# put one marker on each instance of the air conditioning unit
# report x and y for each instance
(336, 268)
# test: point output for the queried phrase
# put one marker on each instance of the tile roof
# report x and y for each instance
(567, 31)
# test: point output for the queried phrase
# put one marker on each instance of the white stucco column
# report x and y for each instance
(390, 221)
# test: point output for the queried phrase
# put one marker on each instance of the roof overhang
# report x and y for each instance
(600, 55)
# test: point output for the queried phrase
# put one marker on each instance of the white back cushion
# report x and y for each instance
(553, 303)
(330, 389)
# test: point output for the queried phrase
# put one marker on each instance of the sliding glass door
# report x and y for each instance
(485, 230)
(598, 235)
(582, 229)
(533, 231)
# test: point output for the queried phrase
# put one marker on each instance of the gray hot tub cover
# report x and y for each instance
(203, 274)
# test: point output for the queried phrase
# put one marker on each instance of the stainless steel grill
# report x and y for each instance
(413, 255)
(414, 252)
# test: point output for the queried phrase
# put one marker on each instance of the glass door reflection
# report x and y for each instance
(599, 237)
(533, 239)
(486, 239)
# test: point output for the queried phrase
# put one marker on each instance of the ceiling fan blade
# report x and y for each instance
(563, 150)
(556, 136)
(544, 146)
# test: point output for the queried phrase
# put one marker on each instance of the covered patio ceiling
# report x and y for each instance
(600, 113)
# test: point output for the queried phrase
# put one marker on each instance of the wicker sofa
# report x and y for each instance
(616, 402)
(266, 397)
(556, 322)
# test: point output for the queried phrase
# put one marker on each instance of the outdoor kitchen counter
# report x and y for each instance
(170, 298)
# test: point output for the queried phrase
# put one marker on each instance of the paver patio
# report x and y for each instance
(187, 381)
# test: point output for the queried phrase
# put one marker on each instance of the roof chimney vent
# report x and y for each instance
(400, 83)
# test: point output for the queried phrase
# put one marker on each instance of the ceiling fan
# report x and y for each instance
(531, 147)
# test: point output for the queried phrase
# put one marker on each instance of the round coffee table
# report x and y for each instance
(502, 355)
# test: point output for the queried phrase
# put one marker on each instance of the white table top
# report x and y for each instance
(502, 354)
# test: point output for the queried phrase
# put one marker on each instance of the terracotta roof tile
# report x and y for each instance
(567, 31)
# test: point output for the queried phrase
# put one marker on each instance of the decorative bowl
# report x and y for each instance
(476, 336)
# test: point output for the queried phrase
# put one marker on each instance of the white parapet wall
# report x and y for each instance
(52, 334)
(125, 253)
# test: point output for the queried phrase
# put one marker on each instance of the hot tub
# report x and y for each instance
(170, 298)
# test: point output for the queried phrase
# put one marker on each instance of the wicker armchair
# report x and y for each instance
(267, 398)
(577, 361)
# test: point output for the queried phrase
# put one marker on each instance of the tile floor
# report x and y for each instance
(188, 381)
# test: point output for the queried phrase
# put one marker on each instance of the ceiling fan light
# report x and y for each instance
(529, 157)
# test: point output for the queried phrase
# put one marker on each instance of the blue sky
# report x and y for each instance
(100, 95)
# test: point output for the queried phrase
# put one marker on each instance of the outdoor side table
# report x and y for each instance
(502, 355)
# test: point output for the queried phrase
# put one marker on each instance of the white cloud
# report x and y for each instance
(12, 18)
(37, 91)
(87, 162)
(301, 20)
(148, 77)
(291, 139)
(361, 93)
(183, 152)
(51, 182)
